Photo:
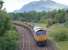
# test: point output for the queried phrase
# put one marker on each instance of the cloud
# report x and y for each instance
(65, 2)
(12, 5)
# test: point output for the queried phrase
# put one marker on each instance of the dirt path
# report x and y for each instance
(26, 40)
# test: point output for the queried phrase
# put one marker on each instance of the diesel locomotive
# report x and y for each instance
(40, 36)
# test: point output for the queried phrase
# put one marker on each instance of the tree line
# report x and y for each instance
(8, 34)
(51, 17)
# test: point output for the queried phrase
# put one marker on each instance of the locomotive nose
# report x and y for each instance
(40, 36)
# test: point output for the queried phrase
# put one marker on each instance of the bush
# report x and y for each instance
(66, 24)
(5, 23)
(8, 34)
(9, 40)
(59, 33)
(61, 36)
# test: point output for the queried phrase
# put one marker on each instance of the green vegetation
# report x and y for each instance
(63, 45)
(59, 32)
(50, 18)
(4, 22)
(8, 34)
(9, 40)
(56, 21)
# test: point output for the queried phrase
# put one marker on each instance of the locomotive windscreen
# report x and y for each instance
(41, 32)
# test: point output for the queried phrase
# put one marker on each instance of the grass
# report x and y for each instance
(63, 45)
(41, 24)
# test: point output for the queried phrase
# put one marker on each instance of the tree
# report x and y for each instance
(1, 4)
(4, 22)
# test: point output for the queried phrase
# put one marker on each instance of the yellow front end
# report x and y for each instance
(40, 38)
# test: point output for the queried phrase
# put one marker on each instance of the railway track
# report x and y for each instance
(26, 38)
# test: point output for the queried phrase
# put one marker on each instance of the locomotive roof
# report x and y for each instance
(37, 28)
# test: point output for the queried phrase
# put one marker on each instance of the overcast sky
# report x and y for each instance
(12, 5)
